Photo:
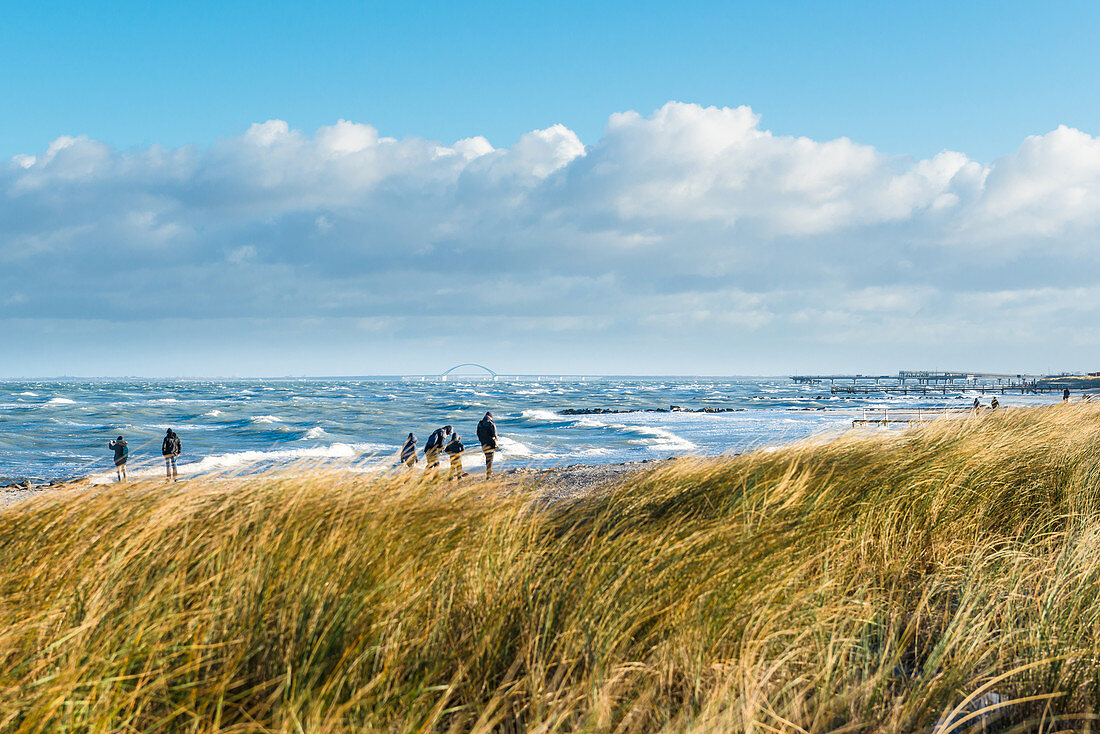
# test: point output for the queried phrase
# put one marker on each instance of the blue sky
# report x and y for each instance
(908, 78)
(720, 188)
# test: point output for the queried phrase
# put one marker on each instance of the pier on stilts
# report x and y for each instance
(924, 382)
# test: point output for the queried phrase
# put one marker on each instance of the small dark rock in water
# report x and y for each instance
(592, 411)
(671, 409)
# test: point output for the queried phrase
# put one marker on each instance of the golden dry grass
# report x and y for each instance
(866, 584)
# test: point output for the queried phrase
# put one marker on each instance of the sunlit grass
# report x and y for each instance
(872, 582)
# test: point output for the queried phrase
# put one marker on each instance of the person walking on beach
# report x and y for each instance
(408, 452)
(170, 449)
(994, 403)
(977, 405)
(1065, 395)
(121, 453)
(487, 435)
(434, 446)
(454, 450)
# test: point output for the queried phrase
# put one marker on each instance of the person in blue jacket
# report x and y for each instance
(170, 449)
(121, 454)
(487, 436)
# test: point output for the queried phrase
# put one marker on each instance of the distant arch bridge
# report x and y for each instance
(470, 364)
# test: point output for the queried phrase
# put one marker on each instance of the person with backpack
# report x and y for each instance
(170, 449)
(434, 446)
(121, 454)
(408, 452)
(454, 450)
(487, 435)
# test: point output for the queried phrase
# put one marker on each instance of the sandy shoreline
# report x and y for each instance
(552, 485)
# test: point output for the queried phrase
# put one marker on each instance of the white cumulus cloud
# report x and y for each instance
(679, 226)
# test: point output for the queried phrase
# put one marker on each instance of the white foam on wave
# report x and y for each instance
(582, 453)
(658, 439)
(28, 394)
(242, 459)
(266, 419)
(185, 426)
(60, 401)
(511, 447)
(654, 438)
(164, 400)
(314, 433)
(213, 413)
(543, 415)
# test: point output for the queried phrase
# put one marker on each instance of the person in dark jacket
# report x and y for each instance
(454, 450)
(994, 403)
(434, 446)
(170, 449)
(1065, 395)
(487, 435)
(408, 451)
(121, 454)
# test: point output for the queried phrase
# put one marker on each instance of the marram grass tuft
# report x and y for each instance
(942, 578)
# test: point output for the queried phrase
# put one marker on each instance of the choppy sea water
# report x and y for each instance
(57, 429)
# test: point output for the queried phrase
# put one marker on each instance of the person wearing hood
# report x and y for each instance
(487, 435)
(408, 451)
(454, 450)
(170, 449)
(434, 446)
(121, 454)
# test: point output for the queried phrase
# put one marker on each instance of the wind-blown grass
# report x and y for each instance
(870, 583)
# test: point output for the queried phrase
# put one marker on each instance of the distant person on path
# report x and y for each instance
(994, 403)
(408, 452)
(170, 448)
(121, 453)
(434, 446)
(487, 435)
(454, 450)
(1065, 395)
(977, 404)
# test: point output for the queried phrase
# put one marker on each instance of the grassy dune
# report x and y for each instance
(868, 584)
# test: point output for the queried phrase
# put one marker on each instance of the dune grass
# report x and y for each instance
(871, 583)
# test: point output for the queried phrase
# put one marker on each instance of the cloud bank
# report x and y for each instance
(689, 240)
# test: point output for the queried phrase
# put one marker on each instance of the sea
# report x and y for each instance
(59, 429)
